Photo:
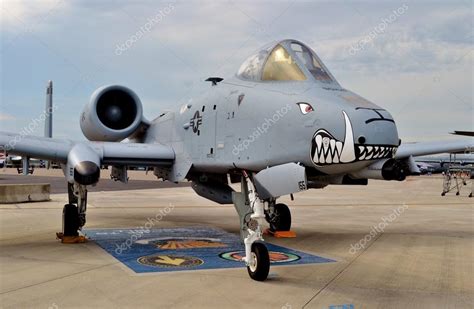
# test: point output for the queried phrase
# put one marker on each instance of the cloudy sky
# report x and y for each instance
(417, 63)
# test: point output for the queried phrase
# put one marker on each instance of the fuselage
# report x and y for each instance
(282, 106)
(237, 124)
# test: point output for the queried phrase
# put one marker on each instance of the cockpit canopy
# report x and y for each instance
(287, 60)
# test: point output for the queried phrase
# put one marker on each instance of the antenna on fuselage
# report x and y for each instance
(214, 80)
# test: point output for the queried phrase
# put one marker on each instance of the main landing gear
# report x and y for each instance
(253, 212)
(74, 214)
(278, 216)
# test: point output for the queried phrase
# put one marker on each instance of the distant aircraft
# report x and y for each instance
(440, 163)
(281, 125)
(3, 158)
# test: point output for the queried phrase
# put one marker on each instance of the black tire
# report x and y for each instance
(70, 220)
(260, 265)
(281, 221)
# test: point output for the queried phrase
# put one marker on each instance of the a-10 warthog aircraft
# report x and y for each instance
(281, 125)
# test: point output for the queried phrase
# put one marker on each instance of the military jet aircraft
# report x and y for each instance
(3, 159)
(440, 163)
(281, 125)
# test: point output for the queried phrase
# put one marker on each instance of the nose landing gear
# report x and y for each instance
(251, 210)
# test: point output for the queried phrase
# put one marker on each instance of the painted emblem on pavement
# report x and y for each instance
(170, 261)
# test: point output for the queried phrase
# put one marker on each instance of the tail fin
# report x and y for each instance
(48, 122)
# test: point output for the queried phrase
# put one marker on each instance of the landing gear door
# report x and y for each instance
(280, 180)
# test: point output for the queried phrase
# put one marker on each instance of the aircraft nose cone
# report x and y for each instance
(361, 139)
(377, 129)
(375, 136)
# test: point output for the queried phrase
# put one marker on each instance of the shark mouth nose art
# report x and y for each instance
(326, 149)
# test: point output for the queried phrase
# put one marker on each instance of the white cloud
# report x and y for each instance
(199, 39)
(28, 12)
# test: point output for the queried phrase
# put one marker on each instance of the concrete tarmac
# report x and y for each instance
(421, 256)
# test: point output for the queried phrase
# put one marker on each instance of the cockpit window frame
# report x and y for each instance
(332, 83)
(267, 49)
(320, 72)
(286, 44)
(292, 56)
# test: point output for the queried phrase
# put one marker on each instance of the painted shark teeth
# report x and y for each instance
(370, 152)
(328, 150)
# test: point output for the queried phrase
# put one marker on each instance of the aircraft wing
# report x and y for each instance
(428, 148)
(110, 153)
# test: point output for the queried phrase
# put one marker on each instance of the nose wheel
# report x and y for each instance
(259, 263)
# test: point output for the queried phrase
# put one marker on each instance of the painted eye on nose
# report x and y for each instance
(305, 108)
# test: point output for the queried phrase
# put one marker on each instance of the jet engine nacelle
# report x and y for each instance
(112, 114)
(389, 169)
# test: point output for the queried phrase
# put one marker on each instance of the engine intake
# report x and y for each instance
(394, 170)
(112, 114)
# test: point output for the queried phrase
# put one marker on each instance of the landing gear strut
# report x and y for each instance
(251, 211)
(74, 217)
